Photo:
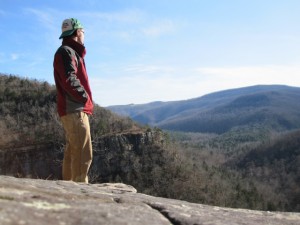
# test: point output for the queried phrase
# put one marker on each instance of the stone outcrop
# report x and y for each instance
(113, 156)
(36, 201)
(32, 161)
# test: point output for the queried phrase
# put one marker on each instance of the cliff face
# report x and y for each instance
(38, 161)
(121, 156)
(34, 201)
(114, 155)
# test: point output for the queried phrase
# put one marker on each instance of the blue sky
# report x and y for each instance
(139, 51)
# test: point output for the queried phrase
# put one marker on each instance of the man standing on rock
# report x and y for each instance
(74, 101)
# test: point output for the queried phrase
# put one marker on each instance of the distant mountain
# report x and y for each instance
(270, 106)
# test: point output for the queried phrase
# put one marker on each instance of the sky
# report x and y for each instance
(140, 51)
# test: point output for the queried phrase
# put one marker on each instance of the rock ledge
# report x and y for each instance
(32, 201)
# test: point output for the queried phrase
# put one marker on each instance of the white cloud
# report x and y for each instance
(238, 76)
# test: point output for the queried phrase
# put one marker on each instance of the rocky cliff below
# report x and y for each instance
(115, 155)
(36, 201)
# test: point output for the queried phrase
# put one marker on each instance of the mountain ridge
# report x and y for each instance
(200, 114)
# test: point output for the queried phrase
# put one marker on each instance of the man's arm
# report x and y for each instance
(65, 64)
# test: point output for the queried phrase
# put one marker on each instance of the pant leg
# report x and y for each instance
(67, 123)
(79, 146)
(86, 153)
(66, 166)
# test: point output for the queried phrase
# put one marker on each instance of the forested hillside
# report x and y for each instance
(28, 114)
(253, 170)
(26, 109)
(276, 162)
(255, 167)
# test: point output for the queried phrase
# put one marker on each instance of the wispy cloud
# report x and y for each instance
(123, 16)
(45, 17)
(159, 28)
(126, 24)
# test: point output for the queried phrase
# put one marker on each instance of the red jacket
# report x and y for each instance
(71, 79)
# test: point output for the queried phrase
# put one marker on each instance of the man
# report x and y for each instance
(74, 101)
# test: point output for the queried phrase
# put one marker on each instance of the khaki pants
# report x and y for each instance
(78, 152)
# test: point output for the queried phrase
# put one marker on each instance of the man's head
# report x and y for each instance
(72, 28)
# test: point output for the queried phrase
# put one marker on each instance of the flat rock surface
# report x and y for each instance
(32, 201)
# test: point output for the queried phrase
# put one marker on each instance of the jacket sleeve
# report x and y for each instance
(65, 66)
